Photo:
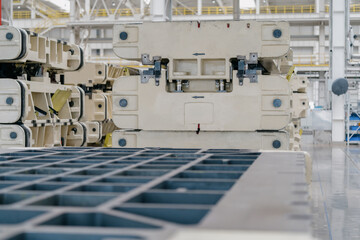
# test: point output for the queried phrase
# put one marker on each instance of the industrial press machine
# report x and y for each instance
(202, 92)
(224, 84)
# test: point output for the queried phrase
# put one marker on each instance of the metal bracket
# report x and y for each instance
(243, 68)
(151, 72)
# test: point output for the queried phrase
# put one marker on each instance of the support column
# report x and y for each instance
(32, 11)
(11, 13)
(236, 9)
(323, 92)
(158, 10)
(74, 32)
(87, 9)
(142, 8)
(199, 7)
(337, 65)
(320, 6)
(322, 43)
(258, 6)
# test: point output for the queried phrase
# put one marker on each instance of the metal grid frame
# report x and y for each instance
(109, 193)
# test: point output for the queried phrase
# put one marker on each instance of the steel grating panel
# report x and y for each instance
(109, 193)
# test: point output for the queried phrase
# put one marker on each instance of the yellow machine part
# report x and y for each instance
(108, 140)
(125, 72)
(290, 73)
(59, 99)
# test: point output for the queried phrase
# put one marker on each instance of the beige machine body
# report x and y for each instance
(249, 107)
(18, 46)
(209, 84)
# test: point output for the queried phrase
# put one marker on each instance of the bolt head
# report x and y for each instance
(9, 36)
(13, 135)
(9, 101)
(277, 103)
(123, 102)
(122, 142)
(276, 144)
(277, 33)
(123, 35)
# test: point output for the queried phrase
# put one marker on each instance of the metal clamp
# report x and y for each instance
(151, 72)
(243, 68)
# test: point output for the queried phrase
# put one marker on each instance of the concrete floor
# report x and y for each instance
(335, 191)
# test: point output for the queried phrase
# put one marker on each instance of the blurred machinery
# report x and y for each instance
(48, 96)
(195, 90)
(209, 84)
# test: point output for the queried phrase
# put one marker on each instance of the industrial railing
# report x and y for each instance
(311, 60)
(216, 10)
(229, 10)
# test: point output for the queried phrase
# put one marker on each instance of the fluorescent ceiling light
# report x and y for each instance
(63, 4)
(247, 4)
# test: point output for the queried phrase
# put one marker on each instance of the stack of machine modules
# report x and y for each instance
(300, 105)
(96, 80)
(208, 85)
(37, 108)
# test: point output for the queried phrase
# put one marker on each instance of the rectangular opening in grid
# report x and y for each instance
(96, 220)
(118, 188)
(42, 187)
(73, 200)
(180, 215)
(74, 236)
(177, 198)
(183, 185)
(13, 216)
(10, 198)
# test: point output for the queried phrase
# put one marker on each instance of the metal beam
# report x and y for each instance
(257, 6)
(236, 9)
(338, 34)
(199, 7)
